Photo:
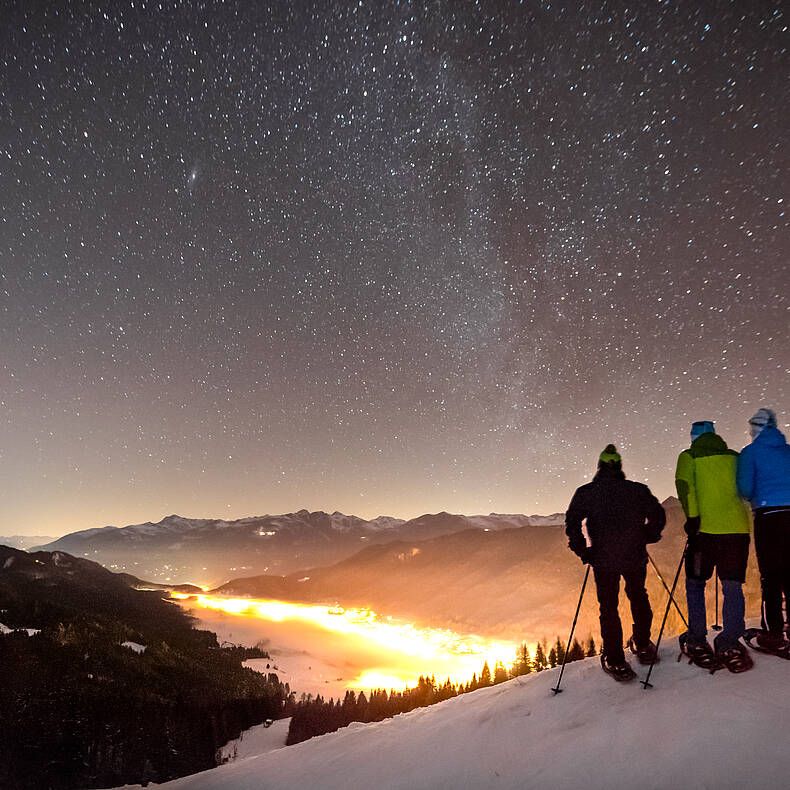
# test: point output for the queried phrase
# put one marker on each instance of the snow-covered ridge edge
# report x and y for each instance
(340, 523)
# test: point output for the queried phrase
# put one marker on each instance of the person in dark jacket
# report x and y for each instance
(763, 478)
(622, 516)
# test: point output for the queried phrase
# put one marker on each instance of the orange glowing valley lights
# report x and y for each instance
(435, 651)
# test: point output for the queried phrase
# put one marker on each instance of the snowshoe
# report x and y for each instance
(736, 658)
(700, 654)
(620, 672)
(756, 639)
(647, 654)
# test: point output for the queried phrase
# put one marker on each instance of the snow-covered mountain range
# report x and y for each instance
(511, 583)
(690, 730)
(210, 551)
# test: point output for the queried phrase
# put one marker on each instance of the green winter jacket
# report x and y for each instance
(705, 482)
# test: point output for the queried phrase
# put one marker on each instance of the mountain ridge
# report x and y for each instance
(178, 549)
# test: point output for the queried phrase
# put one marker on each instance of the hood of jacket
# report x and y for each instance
(770, 436)
(708, 444)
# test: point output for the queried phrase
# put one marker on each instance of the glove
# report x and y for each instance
(692, 526)
(586, 555)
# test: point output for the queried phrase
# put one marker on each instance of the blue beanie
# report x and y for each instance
(701, 426)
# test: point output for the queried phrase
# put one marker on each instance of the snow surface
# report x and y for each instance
(4, 629)
(135, 646)
(257, 740)
(693, 729)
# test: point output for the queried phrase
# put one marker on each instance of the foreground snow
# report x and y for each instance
(692, 729)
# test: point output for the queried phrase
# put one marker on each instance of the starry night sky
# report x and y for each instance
(381, 257)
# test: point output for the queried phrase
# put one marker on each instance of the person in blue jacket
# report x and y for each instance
(763, 478)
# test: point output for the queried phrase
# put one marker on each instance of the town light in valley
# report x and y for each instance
(431, 651)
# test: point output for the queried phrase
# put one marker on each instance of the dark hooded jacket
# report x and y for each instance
(622, 516)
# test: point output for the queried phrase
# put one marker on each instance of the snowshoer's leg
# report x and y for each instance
(771, 532)
(695, 598)
(769, 563)
(733, 613)
(784, 550)
(642, 614)
(640, 604)
(732, 554)
(699, 568)
(607, 584)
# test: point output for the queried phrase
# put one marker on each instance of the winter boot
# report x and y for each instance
(735, 658)
(647, 653)
(770, 641)
(766, 642)
(699, 653)
(618, 671)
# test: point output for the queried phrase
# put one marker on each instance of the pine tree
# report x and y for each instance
(523, 665)
(540, 659)
(576, 652)
(485, 675)
(591, 650)
(560, 649)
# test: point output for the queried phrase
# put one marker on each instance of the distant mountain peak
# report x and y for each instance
(210, 551)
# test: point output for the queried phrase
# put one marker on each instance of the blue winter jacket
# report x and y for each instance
(764, 470)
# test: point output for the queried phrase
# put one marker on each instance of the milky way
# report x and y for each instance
(381, 257)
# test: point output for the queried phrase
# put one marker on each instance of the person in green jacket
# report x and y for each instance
(717, 523)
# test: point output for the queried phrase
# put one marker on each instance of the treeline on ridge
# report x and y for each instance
(314, 716)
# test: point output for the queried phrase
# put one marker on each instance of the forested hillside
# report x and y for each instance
(105, 684)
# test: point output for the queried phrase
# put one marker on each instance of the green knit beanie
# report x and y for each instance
(609, 455)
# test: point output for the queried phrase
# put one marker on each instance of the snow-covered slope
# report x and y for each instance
(692, 729)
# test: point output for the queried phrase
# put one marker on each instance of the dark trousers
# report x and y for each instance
(772, 545)
(607, 583)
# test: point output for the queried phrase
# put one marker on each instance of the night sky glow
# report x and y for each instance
(381, 257)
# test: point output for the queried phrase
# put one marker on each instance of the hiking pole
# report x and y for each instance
(671, 597)
(557, 689)
(646, 682)
(716, 626)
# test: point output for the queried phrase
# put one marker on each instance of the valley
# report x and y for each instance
(328, 650)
